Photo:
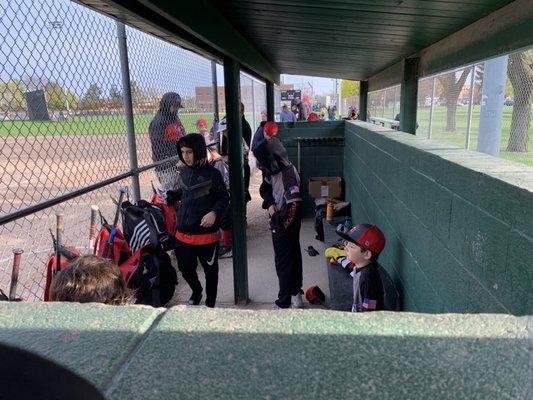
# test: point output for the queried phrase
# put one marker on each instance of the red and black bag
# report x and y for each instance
(67, 255)
(169, 209)
(119, 253)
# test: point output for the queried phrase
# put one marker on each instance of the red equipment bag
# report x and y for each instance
(68, 254)
(170, 211)
(120, 252)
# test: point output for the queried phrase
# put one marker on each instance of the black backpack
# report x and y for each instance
(320, 214)
(145, 230)
(155, 279)
(144, 225)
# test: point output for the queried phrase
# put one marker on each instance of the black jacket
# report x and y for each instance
(246, 135)
(202, 189)
(166, 129)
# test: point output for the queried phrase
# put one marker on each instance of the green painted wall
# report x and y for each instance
(459, 224)
(321, 151)
(137, 352)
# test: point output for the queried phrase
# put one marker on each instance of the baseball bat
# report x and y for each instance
(92, 227)
(59, 234)
(113, 233)
(17, 254)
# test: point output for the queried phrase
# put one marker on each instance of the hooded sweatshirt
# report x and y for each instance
(166, 129)
(281, 182)
(202, 190)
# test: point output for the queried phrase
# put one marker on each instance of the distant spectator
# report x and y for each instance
(301, 109)
(165, 130)
(287, 115)
(201, 128)
(91, 279)
(264, 114)
(313, 117)
(247, 136)
(353, 115)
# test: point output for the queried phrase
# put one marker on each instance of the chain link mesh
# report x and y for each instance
(63, 124)
(504, 100)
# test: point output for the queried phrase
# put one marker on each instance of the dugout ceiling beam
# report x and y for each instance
(505, 30)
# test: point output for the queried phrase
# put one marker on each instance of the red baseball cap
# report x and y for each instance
(314, 295)
(270, 129)
(202, 122)
(365, 235)
(312, 117)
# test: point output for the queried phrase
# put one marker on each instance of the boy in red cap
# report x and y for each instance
(281, 195)
(201, 128)
(363, 244)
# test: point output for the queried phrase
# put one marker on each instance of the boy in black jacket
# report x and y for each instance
(203, 199)
(280, 191)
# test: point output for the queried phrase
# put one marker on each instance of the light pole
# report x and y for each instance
(57, 25)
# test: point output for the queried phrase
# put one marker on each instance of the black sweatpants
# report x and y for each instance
(287, 254)
(188, 256)
(247, 183)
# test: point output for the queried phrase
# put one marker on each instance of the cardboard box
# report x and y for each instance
(325, 186)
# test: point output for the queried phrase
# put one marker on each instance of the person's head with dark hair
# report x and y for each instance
(170, 103)
(193, 150)
(91, 279)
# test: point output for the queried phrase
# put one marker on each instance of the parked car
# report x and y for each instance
(508, 102)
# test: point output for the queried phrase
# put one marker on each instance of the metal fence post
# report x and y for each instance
(431, 108)
(470, 108)
(393, 102)
(215, 91)
(254, 114)
(128, 110)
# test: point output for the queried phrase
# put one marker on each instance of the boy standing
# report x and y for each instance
(280, 191)
(203, 200)
(363, 243)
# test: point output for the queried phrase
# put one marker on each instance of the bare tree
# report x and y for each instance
(520, 72)
(451, 90)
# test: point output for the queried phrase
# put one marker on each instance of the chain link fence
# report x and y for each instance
(65, 144)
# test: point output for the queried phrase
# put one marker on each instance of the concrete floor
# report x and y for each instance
(262, 279)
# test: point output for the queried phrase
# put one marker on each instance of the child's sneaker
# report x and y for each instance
(195, 299)
(296, 301)
(225, 252)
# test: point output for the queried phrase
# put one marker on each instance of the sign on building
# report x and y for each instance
(290, 95)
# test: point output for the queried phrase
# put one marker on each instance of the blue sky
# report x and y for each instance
(69, 44)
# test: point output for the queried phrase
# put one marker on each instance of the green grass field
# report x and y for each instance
(458, 138)
(95, 125)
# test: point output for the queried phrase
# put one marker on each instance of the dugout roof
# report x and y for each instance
(351, 39)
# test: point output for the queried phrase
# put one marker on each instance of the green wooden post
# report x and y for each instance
(363, 100)
(270, 100)
(238, 205)
(409, 94)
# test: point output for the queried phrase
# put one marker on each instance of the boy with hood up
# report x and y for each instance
(164, 131)
(280, 191)
(203, 200)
